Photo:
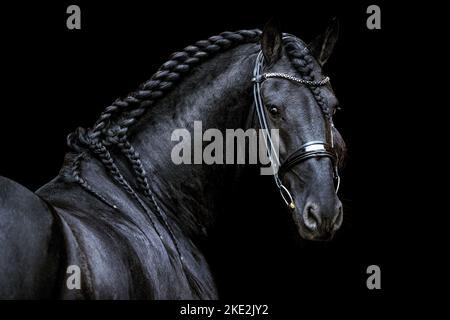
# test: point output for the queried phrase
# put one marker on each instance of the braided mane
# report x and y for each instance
(112, 126)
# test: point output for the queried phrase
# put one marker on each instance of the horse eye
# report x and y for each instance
(273, 110)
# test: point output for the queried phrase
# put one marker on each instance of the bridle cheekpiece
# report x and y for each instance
(312, 149)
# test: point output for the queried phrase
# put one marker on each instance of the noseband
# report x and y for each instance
(312, 149)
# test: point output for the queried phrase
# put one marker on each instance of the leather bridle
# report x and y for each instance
(312, 149)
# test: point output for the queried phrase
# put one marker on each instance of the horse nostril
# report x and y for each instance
(311, 217)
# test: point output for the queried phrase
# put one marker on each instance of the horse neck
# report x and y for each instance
(219, 95)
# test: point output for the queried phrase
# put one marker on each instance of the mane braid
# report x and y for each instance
(112, 126)
(303, 61)
(76, 172)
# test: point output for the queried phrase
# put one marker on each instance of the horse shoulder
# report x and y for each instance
(30, 244)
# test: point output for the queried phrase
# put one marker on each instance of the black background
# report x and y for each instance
(56, 79)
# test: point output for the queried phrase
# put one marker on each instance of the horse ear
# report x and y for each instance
(271, 42)
(322, 46)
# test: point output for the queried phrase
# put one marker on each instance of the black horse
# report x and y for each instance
(130, 218)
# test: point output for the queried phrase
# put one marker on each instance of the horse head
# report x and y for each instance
(292, 95)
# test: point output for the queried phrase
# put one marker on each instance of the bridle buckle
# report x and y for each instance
(258, 79)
